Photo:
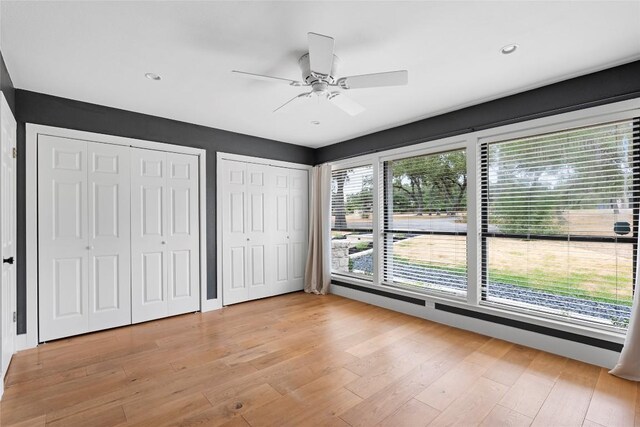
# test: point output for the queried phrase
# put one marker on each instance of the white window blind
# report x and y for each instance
(424, 222)
(352, 221)
(560, 221)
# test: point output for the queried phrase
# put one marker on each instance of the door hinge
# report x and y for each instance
(15, 317)
(15, 152)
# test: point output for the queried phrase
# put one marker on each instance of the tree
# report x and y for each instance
(533, 181)
(361, 201)
(438, 182)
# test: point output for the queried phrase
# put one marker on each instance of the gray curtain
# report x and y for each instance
(317, 275)
(628, 366)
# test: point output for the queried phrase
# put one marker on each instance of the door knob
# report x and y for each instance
(89, 248)
(8, 260)
(248, 239)
(163, 242)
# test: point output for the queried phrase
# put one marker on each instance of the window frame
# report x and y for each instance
(482, 146)
(435, 149)
(361, 162)
(471, 140)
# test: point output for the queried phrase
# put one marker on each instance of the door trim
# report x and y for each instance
(30, 339)
(7, 114)
(220, 156)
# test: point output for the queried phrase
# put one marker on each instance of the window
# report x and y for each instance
(553, 232)
(560, 222)
(352, 221)
(424, 222)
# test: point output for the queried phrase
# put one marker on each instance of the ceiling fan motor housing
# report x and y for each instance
(316, 80)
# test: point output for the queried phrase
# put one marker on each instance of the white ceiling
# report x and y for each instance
(98, 52)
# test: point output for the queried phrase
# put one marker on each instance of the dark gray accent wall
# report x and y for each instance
(611, 85)
(65, 113)
(6, 85)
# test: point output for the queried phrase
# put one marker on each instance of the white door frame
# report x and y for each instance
(220, 156)
(11, 125)
(30, 339)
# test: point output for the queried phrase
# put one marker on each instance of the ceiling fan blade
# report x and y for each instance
(345, 103)
(391, 78)
(302, 95)
(269, 78)
(320, 53)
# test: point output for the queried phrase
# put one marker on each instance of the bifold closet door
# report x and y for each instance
(108, 192)
(164, 234)
(63, 237)
(299, 227)
(183, 234)
(280, 225)
(83, 208)
(247, 250)
(264, 230)
(290, 229)
(234, 238)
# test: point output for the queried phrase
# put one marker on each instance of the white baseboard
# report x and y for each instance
(211, 304)
(574, 350)
(23, 342)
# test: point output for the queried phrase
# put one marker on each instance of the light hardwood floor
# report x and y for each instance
(306, 360)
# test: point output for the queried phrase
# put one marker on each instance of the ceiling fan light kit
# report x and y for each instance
(319, 69)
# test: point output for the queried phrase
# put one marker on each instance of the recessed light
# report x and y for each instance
(315, 122)
(152, 76)
(510, 48)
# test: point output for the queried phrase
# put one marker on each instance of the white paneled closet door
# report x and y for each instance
(264, 230)
(83, 208)
(234, 225)
(63, 237)
(247, 250)
(183, 234)
(259, 182)
(109, 235)
(299, 227)
(164, 234)
(280, 224)
(148, 235)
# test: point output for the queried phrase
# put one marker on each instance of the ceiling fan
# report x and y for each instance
(319, 68)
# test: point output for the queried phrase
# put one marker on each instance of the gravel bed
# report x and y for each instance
(619, 314)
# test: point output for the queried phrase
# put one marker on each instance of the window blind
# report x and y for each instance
(424, 222)
(352, 221)
(560, 221)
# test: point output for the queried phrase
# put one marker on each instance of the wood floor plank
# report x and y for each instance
(39, 421)
(413, 413)
(613, 402)
(547, 365)
(388, 338)
(528, 394)
(489, 352)
(567, 402)
(474, 405)
(451, 385)
(225, 411)
(303, 360)
(168, 412)
(511, 365)
(301, 400)
(96, 417)
(387, 366)
(505, 417)
(388, 400)
(236, 422)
